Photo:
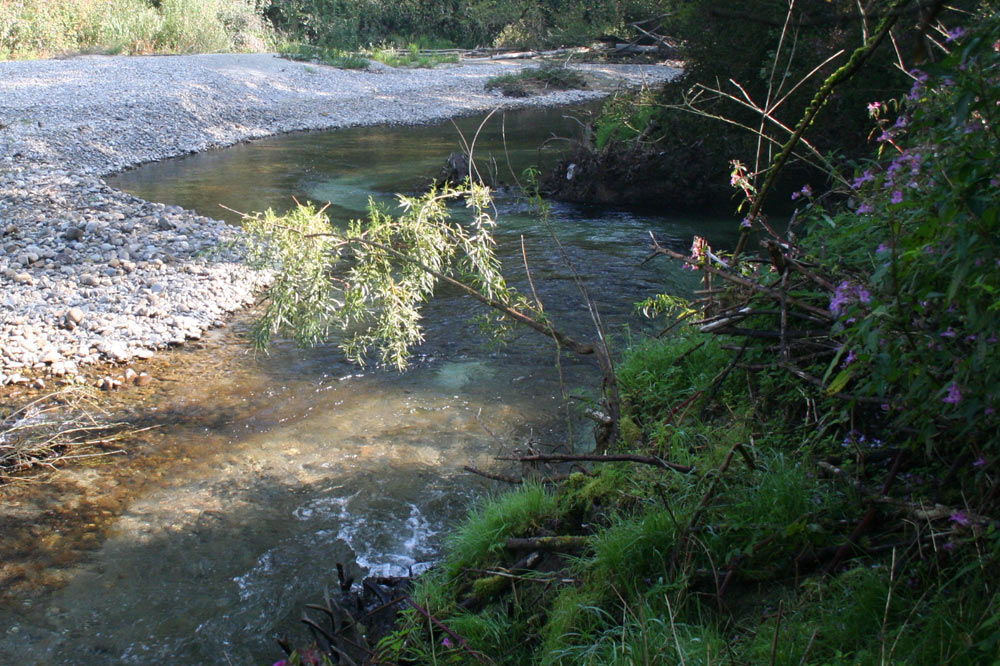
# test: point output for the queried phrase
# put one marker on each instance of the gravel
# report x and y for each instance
(89, 274)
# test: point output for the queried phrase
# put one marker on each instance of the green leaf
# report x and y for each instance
(839, 382)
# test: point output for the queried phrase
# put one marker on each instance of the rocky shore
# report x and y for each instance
(89, 274)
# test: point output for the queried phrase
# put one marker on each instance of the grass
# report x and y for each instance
(412, 56)
(39, 29)
(724, 565)
(332, 57)
(536, 80)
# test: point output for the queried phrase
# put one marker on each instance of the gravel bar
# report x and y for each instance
(90, 274)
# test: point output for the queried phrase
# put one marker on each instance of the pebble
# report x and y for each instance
(102, 276)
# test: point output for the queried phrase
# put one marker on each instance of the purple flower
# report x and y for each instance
(950, 333)
(865, 208)
(841, 297)
(979, 462)
(882, 247)
(955, 33)
(851, 358)
(847, 293)
(746, 224)
(954, 395)
(960, 518)
(897, 197)
(446, 642)
(862, 179)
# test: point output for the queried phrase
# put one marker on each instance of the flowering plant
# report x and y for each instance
(919, 318)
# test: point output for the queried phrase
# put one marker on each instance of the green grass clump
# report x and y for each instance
(332, 57)
(481, 537)
(412, 56)
(535, 80)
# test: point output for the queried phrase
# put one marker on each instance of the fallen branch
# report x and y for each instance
(565, 457)
(725, 275)
(546, 543)
(920, 512)
(512, 479)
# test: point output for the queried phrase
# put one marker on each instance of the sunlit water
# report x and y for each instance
(265, 471)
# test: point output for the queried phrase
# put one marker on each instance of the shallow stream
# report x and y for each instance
(205, 541)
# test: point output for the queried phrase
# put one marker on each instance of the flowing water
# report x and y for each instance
(204, 543)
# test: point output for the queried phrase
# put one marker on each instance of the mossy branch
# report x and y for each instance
(857, 60)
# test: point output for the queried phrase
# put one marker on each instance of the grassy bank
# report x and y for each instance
(830, 425)
(39, 29)
(747, 559)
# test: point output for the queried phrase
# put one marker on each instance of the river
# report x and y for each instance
(202, 544)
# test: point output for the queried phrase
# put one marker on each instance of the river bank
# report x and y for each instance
(90, 274)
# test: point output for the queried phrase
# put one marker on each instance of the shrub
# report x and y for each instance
(918, 305)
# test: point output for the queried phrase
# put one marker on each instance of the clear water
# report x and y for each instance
(204, 543)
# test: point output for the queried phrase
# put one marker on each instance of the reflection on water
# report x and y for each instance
(266, 470)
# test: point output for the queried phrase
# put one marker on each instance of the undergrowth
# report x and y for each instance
(839, 426)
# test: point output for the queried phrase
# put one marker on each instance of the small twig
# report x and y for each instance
(494, 476)
(478, 656)
(777, 628)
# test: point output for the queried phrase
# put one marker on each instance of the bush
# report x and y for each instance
(918, 304)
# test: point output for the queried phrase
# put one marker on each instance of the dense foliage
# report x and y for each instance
(523, 23)
(742, 58)
(37, 28)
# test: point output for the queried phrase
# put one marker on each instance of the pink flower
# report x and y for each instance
(960, 518)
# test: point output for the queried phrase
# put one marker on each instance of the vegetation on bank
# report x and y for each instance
(546, 77)
(672, 145)
(812, 463)
(329, 28)
(38, 28)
